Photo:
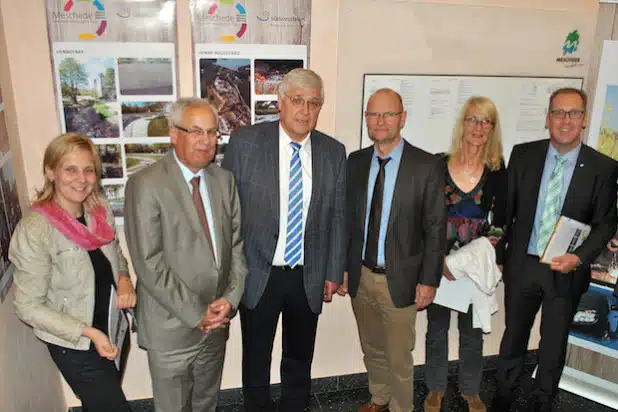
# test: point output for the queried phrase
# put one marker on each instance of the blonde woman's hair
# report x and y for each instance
(492, 151)
(55, 152)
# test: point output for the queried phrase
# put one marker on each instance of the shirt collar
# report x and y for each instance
(395, 154)
(186, 173)
(570, 156)
(285, 139)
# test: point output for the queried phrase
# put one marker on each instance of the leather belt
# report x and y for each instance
(287, 268)
(378, 269)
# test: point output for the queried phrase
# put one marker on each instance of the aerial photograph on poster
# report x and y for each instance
(226, 84)
(145, 119)
(111, 160)
(115, 196)
(141, 155)
(88, 92)
(145, 76)
(266, 111)
(608, 133)
(269, 73)
(10, 197)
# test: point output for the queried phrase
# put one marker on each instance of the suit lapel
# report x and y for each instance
(405, 169)
(579, 179)
(364, 166)
(216, 206)
(317, 165)
(177, 184)
(531, 177)
(270, 137)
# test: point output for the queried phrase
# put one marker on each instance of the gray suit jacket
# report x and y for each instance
(253, 156)
(176, 275)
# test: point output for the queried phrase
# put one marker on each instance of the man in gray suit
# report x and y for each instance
(396, 228)
(182, 222)
(291, 181)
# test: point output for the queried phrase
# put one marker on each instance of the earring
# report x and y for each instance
(583, 127)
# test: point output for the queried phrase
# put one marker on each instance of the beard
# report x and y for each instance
(383, 140)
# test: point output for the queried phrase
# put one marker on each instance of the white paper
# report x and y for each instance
(117, 326)
(567, 236)
(455, 294)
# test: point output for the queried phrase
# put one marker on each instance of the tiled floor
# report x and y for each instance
(348, 400)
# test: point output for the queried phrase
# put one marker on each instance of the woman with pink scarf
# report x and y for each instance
(69, 268)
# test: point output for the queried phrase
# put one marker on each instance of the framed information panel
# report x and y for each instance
(433, 103)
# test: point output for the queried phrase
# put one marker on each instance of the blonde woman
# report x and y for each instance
(475, 194)
(68, 267)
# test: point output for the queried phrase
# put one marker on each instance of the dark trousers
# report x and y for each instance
(470, 351)
(95, 380)
(284, 293)
(525, 292)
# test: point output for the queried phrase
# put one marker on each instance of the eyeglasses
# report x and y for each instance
(387, 116)
(201, 133)
(313, 105)
(561, 113)
(484, 123)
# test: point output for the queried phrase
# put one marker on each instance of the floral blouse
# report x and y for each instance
(475, 213)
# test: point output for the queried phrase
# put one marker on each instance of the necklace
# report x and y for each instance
(471, 175)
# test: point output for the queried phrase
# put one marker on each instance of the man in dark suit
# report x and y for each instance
(291, 181)
(182, 222)
(569, 179)
(396, 247)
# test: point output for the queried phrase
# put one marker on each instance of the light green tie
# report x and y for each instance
(551, 208)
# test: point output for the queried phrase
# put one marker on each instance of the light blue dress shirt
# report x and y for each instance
(550, 162)
(188, 175)
(390, 176)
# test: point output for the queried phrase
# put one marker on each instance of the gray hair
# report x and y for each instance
(301, 79)
(184, 103)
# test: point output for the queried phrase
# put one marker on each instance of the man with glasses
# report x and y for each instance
(182, 222)
(396, 247)
(548, 179)
(291, 180)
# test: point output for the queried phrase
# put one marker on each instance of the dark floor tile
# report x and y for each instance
(353, 381)
(343, 401)
(142, 405)
(322, 385)
(230, 397)
(230, 408)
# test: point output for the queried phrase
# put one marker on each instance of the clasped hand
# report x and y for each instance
(217, 315)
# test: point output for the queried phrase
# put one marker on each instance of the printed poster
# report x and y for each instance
(115, 77)
(242, 51)
(10, 210)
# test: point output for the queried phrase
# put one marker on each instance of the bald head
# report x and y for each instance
(386, 93)
(385, 118)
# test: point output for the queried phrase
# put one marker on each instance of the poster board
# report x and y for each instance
(115, 79)
(591, 367)
(10, 210)
(242, 50)
(433, 103)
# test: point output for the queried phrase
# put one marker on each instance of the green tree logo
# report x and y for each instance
(571, 43)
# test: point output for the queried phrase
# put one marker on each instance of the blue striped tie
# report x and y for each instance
(294, 231)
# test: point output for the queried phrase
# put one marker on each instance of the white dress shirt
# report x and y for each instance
(188, 175)
(285, 156)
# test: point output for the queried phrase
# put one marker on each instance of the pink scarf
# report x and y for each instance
(90, 238)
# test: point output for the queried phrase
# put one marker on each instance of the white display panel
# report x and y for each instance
(433, 103)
